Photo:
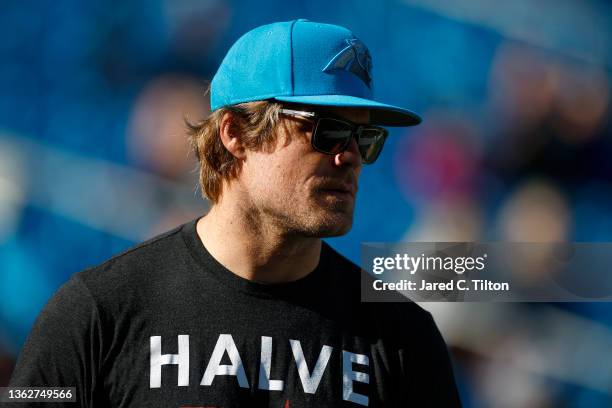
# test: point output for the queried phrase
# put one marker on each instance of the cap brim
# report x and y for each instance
(380, 113)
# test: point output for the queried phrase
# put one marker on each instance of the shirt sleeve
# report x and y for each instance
(63, 347)
(427, 367)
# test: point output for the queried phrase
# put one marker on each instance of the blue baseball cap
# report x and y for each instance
(303, 62)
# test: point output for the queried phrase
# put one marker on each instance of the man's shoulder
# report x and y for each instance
(138, 264)
(392, 310)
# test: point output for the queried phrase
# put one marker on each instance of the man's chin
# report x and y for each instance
(333, 226)
(335, 233)
(324, 219)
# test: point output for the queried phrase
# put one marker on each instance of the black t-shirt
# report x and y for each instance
(166, 325)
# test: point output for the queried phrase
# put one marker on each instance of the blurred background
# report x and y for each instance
(515, 146)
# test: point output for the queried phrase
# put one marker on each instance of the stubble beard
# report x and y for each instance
(314, 217)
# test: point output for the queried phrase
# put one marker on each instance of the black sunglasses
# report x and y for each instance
(332, 135)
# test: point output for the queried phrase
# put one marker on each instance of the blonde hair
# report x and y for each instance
(255, 123)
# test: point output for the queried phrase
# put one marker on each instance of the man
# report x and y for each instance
(247, 307)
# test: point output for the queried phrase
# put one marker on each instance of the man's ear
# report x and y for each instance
(230, 137)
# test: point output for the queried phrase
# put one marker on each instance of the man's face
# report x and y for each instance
(302, 191)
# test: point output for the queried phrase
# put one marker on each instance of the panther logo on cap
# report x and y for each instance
(354, 58)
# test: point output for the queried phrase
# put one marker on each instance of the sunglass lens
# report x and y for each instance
(371, 142)
(332, 136)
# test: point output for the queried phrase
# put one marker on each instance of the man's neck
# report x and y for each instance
(254, 249)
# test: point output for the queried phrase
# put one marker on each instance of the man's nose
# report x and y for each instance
(349, 157)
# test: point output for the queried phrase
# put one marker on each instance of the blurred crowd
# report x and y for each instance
(515, 146)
